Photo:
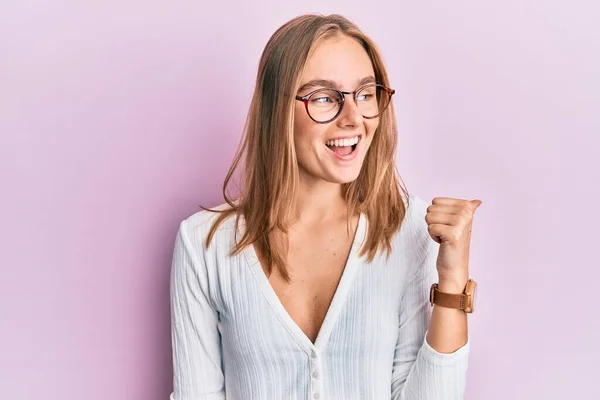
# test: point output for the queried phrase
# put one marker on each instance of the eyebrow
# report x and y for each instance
(327, 83)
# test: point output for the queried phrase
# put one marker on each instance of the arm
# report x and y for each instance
(197, 373)
(448, 326)
(421, 372)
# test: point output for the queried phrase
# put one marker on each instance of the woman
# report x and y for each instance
(314, 283)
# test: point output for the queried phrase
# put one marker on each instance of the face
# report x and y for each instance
(345, 63)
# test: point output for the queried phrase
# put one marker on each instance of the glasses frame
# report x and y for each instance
(305, 99)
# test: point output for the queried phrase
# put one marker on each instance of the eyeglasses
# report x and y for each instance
(325, 105)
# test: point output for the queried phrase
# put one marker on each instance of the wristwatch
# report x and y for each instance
(464, 301)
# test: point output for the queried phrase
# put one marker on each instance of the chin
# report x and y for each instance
(343, 176)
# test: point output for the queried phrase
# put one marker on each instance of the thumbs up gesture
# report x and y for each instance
(449, 222)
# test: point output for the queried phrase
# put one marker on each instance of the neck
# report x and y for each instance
(319, 201)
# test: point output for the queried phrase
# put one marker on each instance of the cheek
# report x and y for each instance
(306, 131)
(371, 126)
(301, 124)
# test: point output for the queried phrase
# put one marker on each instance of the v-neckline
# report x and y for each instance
(339, 297)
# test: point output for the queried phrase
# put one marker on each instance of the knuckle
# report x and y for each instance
(466, 214)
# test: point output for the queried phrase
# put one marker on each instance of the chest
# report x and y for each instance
(334, 296)
(316, 261)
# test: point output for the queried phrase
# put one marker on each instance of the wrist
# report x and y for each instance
(452, 284)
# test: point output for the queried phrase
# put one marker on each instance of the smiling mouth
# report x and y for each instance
(344, 147)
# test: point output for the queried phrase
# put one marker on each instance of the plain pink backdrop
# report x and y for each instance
(117, 118)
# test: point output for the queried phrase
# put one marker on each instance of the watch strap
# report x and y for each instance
(448, 300)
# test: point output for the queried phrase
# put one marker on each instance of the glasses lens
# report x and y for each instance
(324, 105)
(372, 100)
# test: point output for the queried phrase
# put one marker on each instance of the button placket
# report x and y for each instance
(316, 381)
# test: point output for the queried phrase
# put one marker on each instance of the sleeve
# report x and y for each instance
(419, 372)
(197, 371)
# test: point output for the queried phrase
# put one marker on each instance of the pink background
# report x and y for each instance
(117, 118)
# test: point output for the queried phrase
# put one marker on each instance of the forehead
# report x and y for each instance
(339, 59)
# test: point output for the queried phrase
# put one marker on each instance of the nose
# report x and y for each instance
(350, 115)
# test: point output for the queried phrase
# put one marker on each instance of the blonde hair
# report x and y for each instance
(271, 179)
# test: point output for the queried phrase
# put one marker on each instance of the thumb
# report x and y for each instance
(476, 203)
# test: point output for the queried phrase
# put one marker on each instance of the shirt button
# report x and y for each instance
(313, 354)
(316, 395)
(315, 375)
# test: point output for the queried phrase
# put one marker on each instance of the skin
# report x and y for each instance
(449, 222)
(321, 211)
(342, 60)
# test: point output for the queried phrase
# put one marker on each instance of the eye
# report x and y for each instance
(325, 98)
(364, 97)
(367, 94)
(322, 99)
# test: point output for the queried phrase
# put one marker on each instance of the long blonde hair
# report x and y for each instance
(271, 178)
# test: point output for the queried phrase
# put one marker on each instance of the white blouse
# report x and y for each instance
(233, 339)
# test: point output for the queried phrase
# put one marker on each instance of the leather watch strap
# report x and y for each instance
(448, 300)
(462, 301)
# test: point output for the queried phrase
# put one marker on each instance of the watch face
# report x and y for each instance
(472, 289)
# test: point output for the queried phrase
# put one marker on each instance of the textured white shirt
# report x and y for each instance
(233, 339)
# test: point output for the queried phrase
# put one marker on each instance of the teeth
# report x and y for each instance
(342, 142)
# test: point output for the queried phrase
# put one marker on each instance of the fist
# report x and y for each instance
(449, 222)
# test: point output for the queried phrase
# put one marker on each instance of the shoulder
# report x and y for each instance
(203, 220)
(416, 233)
(416, 206)
(196, 227)
(414, 219)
